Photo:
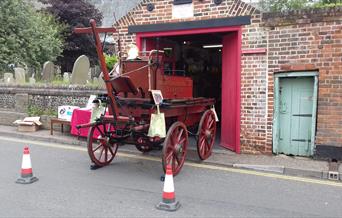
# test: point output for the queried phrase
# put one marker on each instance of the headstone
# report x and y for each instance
(19, 75)
(97, 70)
(96, 81)
(102, 83)
(58, 70)
(66, 77)
(93, 72)
(80, 70)
(89, 74)
(8, 78)
(30, 72)
(32, 80)
(48, 71)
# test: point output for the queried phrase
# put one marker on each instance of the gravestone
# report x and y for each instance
(48, 71)
(20, 74)
(89, 75)
(32, 80)
(102, 83)
(80, 70)
(93, 73)
(8, 78)
(58, 70)
(97, 70)
(96, 81)
(66, 77)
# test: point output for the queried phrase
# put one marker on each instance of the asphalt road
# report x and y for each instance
(130, 187)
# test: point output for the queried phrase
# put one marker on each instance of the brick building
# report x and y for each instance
(277, 78)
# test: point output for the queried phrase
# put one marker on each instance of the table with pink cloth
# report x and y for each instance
(81, 116)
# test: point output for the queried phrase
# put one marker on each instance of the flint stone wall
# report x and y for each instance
(17, 98)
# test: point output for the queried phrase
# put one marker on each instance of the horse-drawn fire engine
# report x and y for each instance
(141, 91)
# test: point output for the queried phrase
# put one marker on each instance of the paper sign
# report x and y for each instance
(157, 96)
(182, 11)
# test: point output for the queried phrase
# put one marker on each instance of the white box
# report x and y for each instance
(65, 112)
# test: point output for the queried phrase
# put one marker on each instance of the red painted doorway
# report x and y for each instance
(231, 67)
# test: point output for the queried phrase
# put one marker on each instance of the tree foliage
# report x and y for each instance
(328, 3)
(331, 1)
(27, 36)
(75, 13)
(282, 5)
(287, 5)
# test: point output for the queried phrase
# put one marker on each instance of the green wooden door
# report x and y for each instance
(295, 115)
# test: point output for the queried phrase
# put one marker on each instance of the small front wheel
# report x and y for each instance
(101, 149)
(175, 147)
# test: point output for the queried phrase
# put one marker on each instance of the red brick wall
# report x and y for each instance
(254, 129)
(312, 40)
(293, 40)
(162, 13)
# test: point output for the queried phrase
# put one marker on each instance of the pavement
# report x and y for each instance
(279, 164)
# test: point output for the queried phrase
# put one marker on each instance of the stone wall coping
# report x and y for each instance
(312, 15)
(65, 90)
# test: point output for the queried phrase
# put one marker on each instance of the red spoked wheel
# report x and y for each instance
(206, 134)
(175, 147)
(100, 149)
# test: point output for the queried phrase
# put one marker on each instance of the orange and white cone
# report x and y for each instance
(169, 202)
(26, 169)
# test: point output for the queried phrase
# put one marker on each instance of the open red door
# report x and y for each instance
(231, 67)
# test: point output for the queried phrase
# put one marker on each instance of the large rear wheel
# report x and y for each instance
(101, 149)
(175, 147)
(206, 134)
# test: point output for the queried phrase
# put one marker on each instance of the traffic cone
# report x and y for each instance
(26, 169)
(169, 202)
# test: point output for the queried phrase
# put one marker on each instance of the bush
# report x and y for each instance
(34, 111)
(27, 36)
(110, 61)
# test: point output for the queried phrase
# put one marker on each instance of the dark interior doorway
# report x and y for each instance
(198, 56)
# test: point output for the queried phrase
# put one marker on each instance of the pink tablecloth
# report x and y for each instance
(80, 116)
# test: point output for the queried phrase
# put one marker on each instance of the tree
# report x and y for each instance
(283, 5)
(287, 5)
(27, 36)
(331, 1)
(75, 13)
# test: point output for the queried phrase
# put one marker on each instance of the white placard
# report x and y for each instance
(157, 96)
(182, 11)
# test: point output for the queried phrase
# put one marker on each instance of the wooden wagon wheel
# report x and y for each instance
(175, 147)
(206, 134)
(100, 149)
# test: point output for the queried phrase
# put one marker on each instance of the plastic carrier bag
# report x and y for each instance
(157, 125)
